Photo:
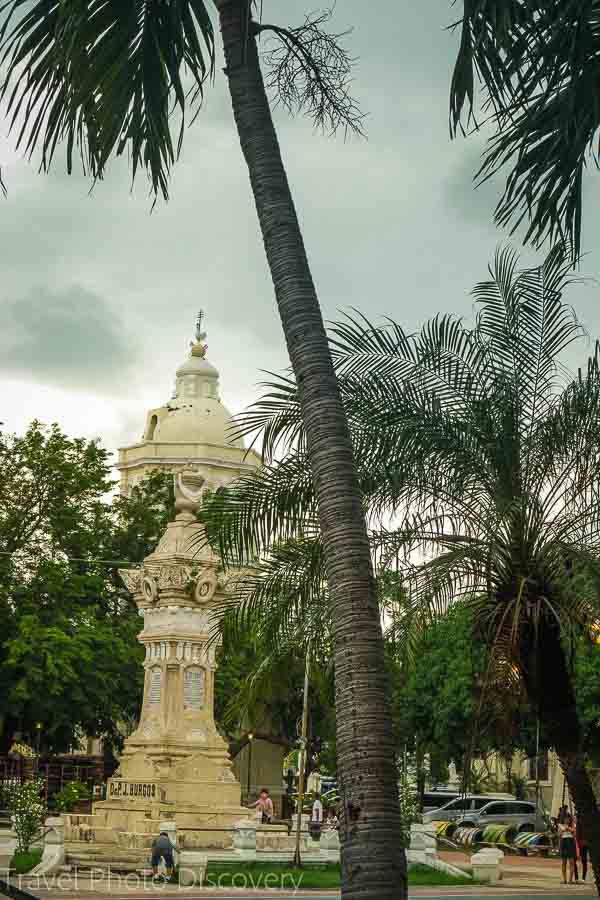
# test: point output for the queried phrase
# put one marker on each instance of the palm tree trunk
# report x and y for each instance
(549, 685)
(373, 863)
(582, 793)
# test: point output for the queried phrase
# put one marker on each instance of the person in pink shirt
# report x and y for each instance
(264, 807)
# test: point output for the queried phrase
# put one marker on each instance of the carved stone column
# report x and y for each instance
(176, 762)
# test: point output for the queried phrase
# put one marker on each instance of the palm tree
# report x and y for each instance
(101, 76)
(479, 462)
(538, 63)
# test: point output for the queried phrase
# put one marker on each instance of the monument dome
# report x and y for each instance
(195, 413)
(194, 427)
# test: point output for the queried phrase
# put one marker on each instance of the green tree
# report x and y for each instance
(436, 698)
(485, 456)
(444, 707)
(262, 692)
(103, 77)
(587, 691)
(538, 63)
(69, 657)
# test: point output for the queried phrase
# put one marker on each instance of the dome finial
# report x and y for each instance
(198, 346)
(200, 335)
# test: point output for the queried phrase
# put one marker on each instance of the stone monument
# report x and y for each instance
(176, 765)
(194, 428)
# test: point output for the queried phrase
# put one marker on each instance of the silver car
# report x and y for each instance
(521, 814)
(464, 807)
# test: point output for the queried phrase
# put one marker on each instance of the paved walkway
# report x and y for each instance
(527, 873)
(523, 876)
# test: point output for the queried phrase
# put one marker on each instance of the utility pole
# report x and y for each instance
(537, 767)
(250, 739)
(301, 773)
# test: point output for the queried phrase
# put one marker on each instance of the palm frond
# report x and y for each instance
(479, 464)
(102, 76)
(282, 600)
(272, 505)
(275, 420)
(539, 64)
(493, 42)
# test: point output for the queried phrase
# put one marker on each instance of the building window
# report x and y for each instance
(155, 684)
(152, 428)
(193, 688)
(543, 767)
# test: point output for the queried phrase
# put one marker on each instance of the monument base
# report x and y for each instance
(193, 787)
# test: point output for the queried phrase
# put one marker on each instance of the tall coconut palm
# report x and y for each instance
(479, 460)
(101, 76)
(539, 65)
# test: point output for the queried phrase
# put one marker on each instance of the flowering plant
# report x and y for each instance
(27, 811)
(21, 749)
(410, 811)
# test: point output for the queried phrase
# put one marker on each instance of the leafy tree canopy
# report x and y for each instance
(442, 702)
(69, 658)
(262, 692)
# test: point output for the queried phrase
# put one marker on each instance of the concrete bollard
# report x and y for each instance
(244, 838)
(329, 844)
(486, 865)
(192, 868)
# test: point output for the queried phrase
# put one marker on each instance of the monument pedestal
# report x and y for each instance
(175, 765)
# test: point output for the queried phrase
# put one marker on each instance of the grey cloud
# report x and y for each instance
(470, 200)
(391, 224)
(69, 338)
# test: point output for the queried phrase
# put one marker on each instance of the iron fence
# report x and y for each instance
(54, 772)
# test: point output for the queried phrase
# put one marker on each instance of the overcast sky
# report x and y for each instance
(98, 296)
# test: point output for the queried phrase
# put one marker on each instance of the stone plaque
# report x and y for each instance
(193, 689)
(133, 790)
(155, 680)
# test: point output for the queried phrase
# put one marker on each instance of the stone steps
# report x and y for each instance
(110, 856)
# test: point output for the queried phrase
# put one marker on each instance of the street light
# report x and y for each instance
(250, 739)
(38, 728)
(302, 760)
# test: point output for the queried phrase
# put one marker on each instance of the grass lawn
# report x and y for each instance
(261, 875)
(25, 862)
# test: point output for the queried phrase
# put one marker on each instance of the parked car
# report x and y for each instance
(521, 814)
(435, 799)
(461, 807)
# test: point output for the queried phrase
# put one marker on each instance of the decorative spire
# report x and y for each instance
(200, 335)
(198, 347)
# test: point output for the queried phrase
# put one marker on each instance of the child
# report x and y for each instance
(264, 808)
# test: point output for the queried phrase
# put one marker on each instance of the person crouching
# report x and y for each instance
(162, 848)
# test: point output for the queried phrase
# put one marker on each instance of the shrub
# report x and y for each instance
(28, 812)
(70, 795)
(25, 862)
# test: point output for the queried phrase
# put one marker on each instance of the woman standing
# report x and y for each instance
(568, 850)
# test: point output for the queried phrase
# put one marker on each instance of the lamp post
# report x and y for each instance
(38, 737)
(250, 739)
(302, 767)
(537, 766)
